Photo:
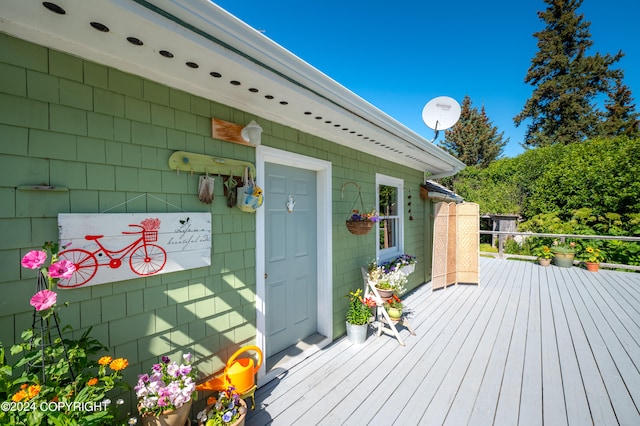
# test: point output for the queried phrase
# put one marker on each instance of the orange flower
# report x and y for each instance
(92, 382)
(19, 396)
(119, 364)
(33, 391)
(105, 360)
(55, 398)
(23, 386)
(211, 400)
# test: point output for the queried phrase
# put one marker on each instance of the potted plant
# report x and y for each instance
(563, 254)
(394, 306)
(358, 316)
(165, 396)
(227, 408)
(591, 256)
(361, 223)
(544, 255)
(405, 263)
(387, 282)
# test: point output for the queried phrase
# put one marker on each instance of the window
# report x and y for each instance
(390, 195)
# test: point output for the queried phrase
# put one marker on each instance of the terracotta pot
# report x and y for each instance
(385, 294)
(544, 262)
(592, 266)
(178, 417)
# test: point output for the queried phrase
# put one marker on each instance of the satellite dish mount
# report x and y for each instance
(441, 113)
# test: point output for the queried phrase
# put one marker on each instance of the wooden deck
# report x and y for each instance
(529, 346)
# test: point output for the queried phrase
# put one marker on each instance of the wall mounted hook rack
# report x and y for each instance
(199, 163)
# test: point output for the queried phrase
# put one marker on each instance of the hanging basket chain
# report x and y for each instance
(357, 227)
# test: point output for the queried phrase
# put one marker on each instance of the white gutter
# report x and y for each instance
(212, 19)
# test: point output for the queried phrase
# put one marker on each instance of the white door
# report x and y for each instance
(291, 307)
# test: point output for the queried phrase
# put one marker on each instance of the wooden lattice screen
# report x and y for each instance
(455, 244)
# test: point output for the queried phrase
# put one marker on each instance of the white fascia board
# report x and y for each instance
(227, 28)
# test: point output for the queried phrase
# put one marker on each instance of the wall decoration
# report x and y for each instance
(122, 246)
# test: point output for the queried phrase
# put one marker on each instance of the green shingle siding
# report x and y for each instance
(106, 136)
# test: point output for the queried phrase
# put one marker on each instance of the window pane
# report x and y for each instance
(388, 200)
(388, 233)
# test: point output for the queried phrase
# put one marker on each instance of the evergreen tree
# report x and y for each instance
(473, 139)
(620, 117)
(566, 79)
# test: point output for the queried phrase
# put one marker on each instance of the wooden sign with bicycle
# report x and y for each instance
(120, 246)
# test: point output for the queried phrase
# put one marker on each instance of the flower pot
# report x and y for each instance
(395, 313)
(357, 333)
(544, 262)
(384, 294)
(408, 269)
(592, 266)
(564, 260)
(177, 417)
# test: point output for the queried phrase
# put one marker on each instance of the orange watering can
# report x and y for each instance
(239, 373)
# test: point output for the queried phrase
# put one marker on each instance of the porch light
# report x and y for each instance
(252, 132)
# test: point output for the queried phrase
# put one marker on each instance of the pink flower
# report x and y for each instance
(44, 299)
(62, 269)
(34, 259)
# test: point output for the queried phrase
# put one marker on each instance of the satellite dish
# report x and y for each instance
(441, 113)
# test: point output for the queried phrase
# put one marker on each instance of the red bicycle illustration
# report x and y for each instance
(144, 258)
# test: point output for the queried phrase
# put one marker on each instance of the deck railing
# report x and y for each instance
(562, 237)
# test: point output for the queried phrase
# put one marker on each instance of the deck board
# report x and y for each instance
(530, 345)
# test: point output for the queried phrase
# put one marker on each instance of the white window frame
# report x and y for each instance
(385, 254)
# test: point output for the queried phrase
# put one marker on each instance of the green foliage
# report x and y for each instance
(511, 246)
(585, 188)
(358, 312)
(590, 251)
(567, 80)
(74, 383)
(543, 252)
(488, 248)
(474, 140)
(620, 117)
(583, 222)
(493, 188)
(600, 175)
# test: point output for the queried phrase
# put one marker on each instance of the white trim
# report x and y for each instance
(381, 179)
(265, 154)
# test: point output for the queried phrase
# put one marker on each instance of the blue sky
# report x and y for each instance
(399, 55)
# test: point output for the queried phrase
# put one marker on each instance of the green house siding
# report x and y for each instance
(106, 136)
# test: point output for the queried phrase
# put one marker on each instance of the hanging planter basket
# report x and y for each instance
(360, 227)
(363, 223)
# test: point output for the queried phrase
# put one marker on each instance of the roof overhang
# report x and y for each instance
(218, 57)
(437, 192)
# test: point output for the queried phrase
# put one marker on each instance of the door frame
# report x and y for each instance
(265, 154)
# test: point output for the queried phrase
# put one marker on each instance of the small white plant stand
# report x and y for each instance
(382, 319)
